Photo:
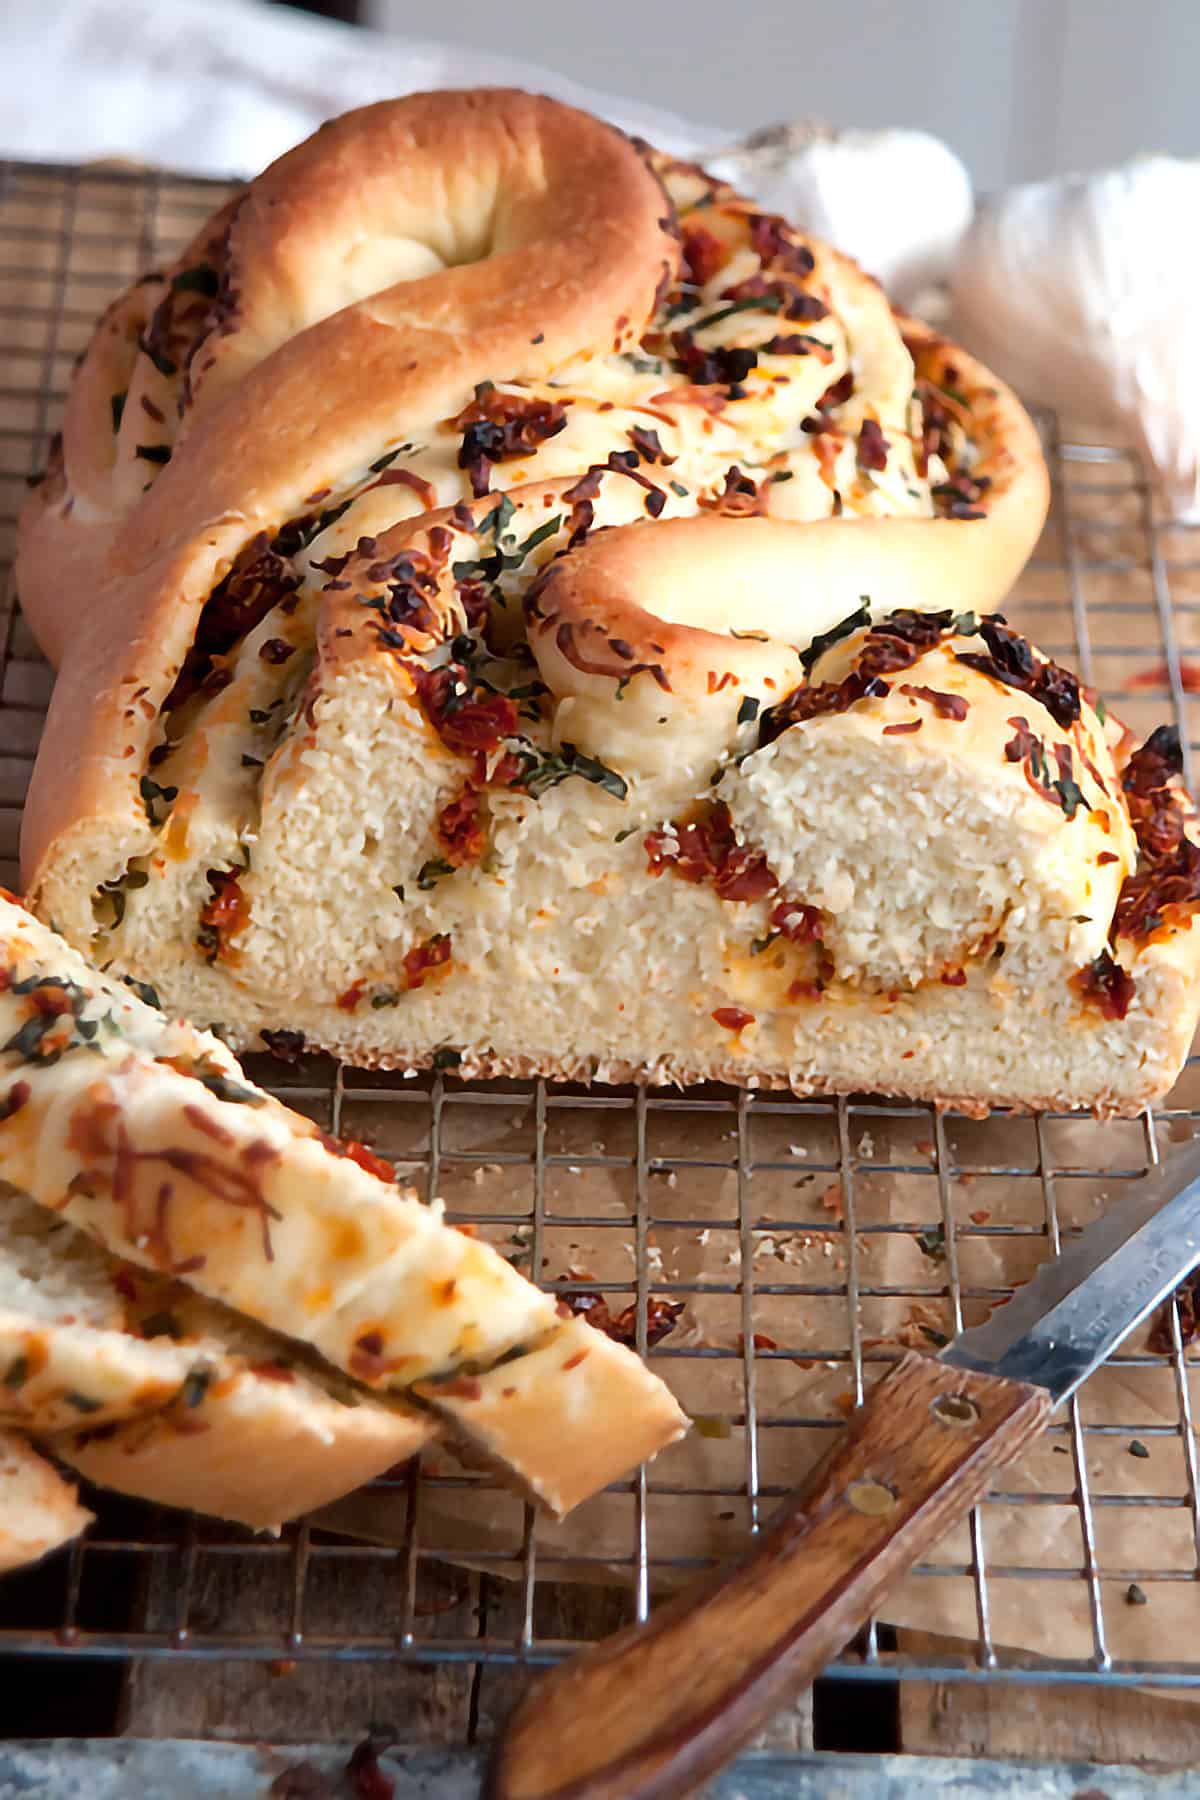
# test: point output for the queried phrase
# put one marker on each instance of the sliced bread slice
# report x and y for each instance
(69, 1352)
(233, 1421)
(39, 1511)
(147, 1135)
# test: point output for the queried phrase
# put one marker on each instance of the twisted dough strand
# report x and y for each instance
(349, 303)
(293, 379)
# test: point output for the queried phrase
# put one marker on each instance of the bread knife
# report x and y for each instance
(654, 1711)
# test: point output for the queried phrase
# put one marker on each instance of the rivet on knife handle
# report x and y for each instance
(655, 1710)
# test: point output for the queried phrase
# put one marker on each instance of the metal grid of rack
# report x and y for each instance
(901, 1222)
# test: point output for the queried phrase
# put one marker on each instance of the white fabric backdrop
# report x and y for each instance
(221, 87)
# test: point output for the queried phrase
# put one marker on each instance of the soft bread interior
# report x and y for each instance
(918, 826)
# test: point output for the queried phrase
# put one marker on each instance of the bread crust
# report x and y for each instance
(39, 1511)
(260, 1453)
(519, 1412)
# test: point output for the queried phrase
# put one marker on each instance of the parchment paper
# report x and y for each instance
(697, 1507)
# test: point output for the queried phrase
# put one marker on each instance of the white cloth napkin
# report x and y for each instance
(220, 87)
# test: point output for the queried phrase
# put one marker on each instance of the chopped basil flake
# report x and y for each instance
(218, 1083)
(153, 796)
(82, 1402)
(499, 518)
(556, 766)
(384, 997)
(825, 640)
(17, 1372)
(225, 1089)
(446, 1058)
(433, 871)
(748, 710)
(932, 1243)
(539, 536)
(759, 303)
(143, 990)
(1070, 795)
(195, 1387)
(27, 1041)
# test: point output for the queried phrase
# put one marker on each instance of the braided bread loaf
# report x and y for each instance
(461, 521)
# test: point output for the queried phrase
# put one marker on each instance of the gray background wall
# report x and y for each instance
(1020, 88)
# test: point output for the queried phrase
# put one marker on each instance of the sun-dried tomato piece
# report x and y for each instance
(459, 828)
(423, 959)
(223, 917)
(661, 1315)
(497, 427)
(798, 923)
(701, 255)
(463, 723)
(1104, 984)
(684, 849)
(733, 1018)
(358, 1153)
(744, 874)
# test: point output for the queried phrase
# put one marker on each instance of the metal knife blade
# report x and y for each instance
(1083, 1303)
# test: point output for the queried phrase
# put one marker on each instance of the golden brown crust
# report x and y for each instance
(480, 1066)
(247, 1464)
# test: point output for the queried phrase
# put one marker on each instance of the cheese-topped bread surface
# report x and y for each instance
(468, 520)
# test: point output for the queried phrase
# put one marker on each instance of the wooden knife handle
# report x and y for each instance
(655, 1710)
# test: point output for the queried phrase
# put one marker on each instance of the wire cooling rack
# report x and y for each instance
(833, 1232)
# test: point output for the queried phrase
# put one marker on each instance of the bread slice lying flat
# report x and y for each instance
(39, 1511)
(147, 1136)
(147, 1388)
(68, 1353)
